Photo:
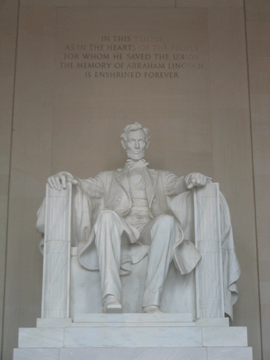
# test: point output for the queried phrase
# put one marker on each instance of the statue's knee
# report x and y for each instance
(107, 216)
(166, 221)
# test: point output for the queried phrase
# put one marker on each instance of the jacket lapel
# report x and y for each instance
(150, 184)
(122, 179)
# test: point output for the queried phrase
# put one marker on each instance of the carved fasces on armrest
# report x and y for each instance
(209, 277)
(56, 262)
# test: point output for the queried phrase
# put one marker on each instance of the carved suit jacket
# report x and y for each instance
(110, 191)
(113, 188)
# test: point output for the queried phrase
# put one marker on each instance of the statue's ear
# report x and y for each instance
(148, 142)
(124, 144)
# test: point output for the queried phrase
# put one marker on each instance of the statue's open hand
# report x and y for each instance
(59, 181)
(196, 179)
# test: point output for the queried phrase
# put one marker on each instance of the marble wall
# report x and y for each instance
(258, 46)
(8, 37)
(62, 118)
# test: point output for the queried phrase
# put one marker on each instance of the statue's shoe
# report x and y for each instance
(112, 306)
(152, 309)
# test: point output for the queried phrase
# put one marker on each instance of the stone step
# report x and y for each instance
(100, 320)
(135, 336)
(137, 319)
(184, 353)
(138, 324)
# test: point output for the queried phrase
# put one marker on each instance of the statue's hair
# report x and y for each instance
(133, 127)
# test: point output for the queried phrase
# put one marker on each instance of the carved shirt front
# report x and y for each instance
(139, 213)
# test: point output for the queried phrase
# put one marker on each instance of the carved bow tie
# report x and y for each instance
(136, 164)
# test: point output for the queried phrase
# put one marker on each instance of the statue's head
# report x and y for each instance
(135, 140)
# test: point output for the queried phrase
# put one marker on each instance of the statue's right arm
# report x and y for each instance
(94, 187)
(59, 180)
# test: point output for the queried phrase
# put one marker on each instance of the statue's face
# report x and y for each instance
(136, 145)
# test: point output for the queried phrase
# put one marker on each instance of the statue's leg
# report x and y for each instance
(163, 232)
(108, 231)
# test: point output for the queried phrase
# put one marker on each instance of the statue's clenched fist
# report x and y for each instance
(59, 181)
(196, 179)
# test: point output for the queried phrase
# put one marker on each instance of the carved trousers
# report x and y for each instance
(160, 234)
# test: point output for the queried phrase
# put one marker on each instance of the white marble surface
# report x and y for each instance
(36, 354)
(133, 337)
(137, 325)
(230, 353)
(218, 353)
(209, 272)
(48, 323)
(132, 318)
(134, 354)
(224, 336)
(206, 322)
(141, 336)
(56, 261)
(41, 337)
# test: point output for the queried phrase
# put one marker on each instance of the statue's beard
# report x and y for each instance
(135, 156)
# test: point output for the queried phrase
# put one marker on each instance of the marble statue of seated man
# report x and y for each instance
(130, 218)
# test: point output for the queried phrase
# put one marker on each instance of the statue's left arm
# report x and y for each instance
(175, 185)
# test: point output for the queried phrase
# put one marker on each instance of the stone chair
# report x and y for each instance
(192, 326)
(209, 291)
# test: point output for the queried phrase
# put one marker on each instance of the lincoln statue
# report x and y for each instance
(130, 219)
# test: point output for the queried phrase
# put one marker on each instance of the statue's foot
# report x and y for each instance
(152, 309)
(112, 305)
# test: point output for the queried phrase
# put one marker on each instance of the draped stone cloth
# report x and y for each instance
(182, 208)
(166, 194)
(112, 192)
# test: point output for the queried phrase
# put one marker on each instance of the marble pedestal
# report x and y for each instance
(133, 336)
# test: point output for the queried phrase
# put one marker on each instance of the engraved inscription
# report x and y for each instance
(134, 57)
